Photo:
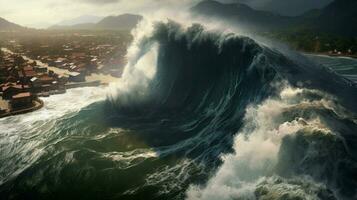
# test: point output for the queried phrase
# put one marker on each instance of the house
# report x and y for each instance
(77, 77)
(28, 68)
(59, 62)
(21, 100)
(11, 90)
(62, 79)
(30, 74)
(40, 69)
(51, 73)
(35, 82)
(46, 79)
(65, 66)
(55, 85)
(33, 63)
(73, 67)
(46, 88)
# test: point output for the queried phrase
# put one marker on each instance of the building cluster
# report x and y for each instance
(83, 54)
(46, 63)
(22, 81)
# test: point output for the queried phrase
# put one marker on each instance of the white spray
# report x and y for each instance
(257, 146)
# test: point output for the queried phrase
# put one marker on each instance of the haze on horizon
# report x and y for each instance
(44, 13)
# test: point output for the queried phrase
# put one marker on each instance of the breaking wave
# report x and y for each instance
(222, 85)
(288, 148)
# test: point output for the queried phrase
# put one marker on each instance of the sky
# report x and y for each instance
(46, 12)
(43, 13)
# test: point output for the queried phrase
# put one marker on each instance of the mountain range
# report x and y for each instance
(338, 17)
(9, 26)
(84, 19)
(284, 7)
(120, 22)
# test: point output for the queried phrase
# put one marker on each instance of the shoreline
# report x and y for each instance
(93, 80)
(330, 55)
(37, 105)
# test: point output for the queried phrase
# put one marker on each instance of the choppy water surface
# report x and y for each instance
(342, 65)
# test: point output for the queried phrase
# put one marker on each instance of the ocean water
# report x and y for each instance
(197, 115)
(342, 65)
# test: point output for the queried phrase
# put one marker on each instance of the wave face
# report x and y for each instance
(195, 69)
(199, 115)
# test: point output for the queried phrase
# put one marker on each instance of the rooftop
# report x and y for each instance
(28, 68)
(22, 95)
(30, 73)
(4, 88)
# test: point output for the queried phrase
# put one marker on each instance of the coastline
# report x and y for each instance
(93, 80)
(330, 55)
(37, 104)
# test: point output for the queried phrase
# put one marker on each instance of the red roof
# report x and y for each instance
(46, 78)
(28, 68)
(30, 73)
(11, 86)
(14, 86)
(6, 84)
(22, 95)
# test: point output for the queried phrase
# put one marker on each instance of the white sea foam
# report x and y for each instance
(257, 146)
(22, 137)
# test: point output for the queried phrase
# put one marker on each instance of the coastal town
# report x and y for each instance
(34, 67)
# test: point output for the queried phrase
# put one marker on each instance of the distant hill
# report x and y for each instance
(339, 17)
(87, 26)
(9, 26)
(120, 22)
(243, 15)
(286, 7)
(126, 21)
(84, 19)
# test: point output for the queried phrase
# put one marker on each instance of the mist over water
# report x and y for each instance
(198, 114)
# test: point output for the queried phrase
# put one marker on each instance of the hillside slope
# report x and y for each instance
(120, 22)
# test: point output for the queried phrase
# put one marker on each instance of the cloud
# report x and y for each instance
(139, 3)
(102, 2)
(54, 11)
